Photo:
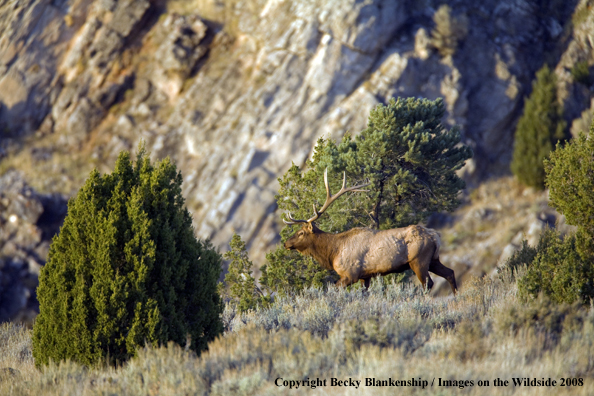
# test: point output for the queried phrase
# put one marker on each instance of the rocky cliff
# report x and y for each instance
(25, 235)
(235, 91)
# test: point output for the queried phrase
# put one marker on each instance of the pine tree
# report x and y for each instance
(409, 158)
(242, 290)
(126, 269)
(539, 128)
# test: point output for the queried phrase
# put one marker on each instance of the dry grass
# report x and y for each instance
(392, 331)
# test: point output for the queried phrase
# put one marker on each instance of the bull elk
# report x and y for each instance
(362, 253)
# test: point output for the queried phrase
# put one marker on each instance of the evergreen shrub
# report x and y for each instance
(522, 257)
(558, 271)
(242, 292)
(126, 270)
(540, 126)
(570, 179)
(563, 268)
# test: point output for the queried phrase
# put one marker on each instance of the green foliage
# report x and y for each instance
(539, 128)
(242, 291)
(570, 181)
(406, 154)
(563, 269)
(524, 256)
(558, 271)
(411, 161)
(581, 74)
(126, 270)
(288, 271)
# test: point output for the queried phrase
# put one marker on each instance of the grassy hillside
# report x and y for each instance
(490, 225)
(392, 331)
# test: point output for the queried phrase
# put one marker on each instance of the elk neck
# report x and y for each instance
(323, 249)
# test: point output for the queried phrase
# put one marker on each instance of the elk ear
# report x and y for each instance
(310, 227)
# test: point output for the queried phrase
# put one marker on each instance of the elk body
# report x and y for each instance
(362, 253)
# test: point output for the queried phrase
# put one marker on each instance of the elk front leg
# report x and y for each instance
(345, 281)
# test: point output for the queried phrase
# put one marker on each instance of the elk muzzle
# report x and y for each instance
(289, 245)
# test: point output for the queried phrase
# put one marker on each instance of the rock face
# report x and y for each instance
(28, 221)
(236, 92)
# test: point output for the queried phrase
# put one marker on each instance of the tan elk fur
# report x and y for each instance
(362, 253)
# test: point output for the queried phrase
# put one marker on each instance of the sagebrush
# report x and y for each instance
(392, 331)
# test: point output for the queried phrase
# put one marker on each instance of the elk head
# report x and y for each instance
(303, 238)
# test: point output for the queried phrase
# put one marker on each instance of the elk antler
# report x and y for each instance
(329, 199)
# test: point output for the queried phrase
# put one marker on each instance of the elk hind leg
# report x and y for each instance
(345, 281)
(441, 270)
